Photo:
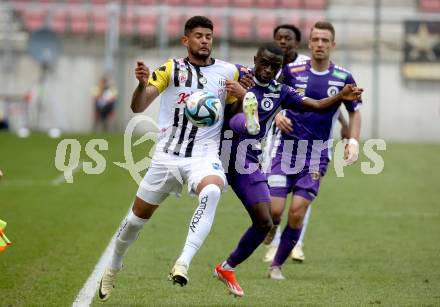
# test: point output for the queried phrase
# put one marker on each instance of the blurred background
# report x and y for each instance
(56, 54)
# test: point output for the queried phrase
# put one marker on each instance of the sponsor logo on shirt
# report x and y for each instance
(339, 74)
(300, 85)
(267, 104)
(302, 78)
(332, 90)
(182, 98)
(271, 95)
(216, 166)
(297, 69)
(276, 87)
(277, 181)
(337, 83)
(222, 82)
(301, 91)
(221, 93)
(183, 76)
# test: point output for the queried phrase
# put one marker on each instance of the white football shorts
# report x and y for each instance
(168, 173)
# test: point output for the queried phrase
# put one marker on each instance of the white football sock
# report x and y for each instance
(305, 224)
(127, 234)
(201, 222)
(226, 266)
(277, 237)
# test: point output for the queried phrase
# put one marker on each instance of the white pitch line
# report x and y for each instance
(88, 291)
(61, 179)
(23, 183)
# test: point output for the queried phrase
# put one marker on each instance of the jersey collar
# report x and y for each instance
(260, 83)
(212, 63)
(320, 73)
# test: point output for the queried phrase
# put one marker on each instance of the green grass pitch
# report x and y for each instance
(372, 240)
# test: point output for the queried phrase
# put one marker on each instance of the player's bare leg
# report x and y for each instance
(297, 252)
(127, 234)
(273, 237)
(209, 191)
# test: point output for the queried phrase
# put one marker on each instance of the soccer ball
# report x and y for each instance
(203, 109)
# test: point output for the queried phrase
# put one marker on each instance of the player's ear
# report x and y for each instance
(184, 40)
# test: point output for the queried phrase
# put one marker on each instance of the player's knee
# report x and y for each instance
(208, 181)
(295, 217)
(143, 209)
(276, 220)
(276, 216)
(264, 224)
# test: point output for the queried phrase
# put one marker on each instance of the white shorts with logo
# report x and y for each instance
(167, 174)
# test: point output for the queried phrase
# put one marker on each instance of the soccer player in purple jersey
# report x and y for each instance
(244, 175)
(288, 38)
(302, 172)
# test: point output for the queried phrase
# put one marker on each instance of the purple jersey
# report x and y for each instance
(308, 147)
(243, 71)
(242, 164)
(271, 98)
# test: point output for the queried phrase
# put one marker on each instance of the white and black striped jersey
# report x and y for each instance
(273, 134)
(176, 80)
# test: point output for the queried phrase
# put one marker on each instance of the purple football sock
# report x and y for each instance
(289, 237)
(238, 123)
(251, 239)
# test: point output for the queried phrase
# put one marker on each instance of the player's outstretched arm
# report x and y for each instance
(345, 131)
(351, 151)
(349, 92)
(144, 94)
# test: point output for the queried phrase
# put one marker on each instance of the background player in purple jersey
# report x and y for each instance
(288, 37)
(244, 175)
(317, 78)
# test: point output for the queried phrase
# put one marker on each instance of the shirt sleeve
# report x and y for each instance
(354, 105)
(160, 78)
(291, 98)
(232, 99)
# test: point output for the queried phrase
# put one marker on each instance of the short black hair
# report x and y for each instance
(198, 21)
(291, 28)
(271, 47)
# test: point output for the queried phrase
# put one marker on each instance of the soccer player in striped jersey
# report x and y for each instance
(184, 153)
(316, 78)
(245, 177)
